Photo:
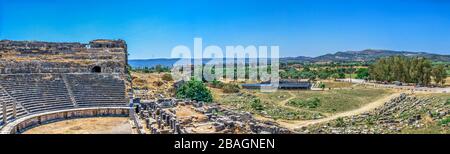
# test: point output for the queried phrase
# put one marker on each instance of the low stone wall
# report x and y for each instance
(20, 125)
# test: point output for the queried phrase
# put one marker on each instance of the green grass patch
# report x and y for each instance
(305, 103)
(444, 121)
(276, 96)
(333, 101)
(251, 102)
(353, 76)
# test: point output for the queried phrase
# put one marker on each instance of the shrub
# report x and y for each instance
(322, 85)
(145, 87)
(256, 104)
(167, 77)
(216, 84)
(230, 88)
(216, 112)
(371, 120)
(158, 83)
(139, 81)
(445, 121)
(339, 122)
(195, 90)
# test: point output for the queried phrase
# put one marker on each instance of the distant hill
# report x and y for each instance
(347, 56)
(367, 56)
(299, 58)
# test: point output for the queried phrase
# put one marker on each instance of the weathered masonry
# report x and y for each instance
(42, 77)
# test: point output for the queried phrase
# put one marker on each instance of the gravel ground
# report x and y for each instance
(100, 125)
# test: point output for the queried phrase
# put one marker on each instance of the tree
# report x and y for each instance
(335, 76)
(284, 75)
(160, 68)
(194, 89)
(322, 85)
(424, 72)
(362, 73)
(439, 74)
(293, 73)
(307, 75)
(397, 68)
(324, 74)
(341, 75)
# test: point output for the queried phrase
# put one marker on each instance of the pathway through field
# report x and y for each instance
(293, 124)
(285, 102)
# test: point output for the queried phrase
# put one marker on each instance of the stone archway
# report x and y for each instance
(96, 69)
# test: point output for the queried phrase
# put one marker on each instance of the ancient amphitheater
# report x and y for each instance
(43, 82)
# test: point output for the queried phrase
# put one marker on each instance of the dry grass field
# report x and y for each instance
(333, 84)
(151, 85)
(334, 101)
(287, 104)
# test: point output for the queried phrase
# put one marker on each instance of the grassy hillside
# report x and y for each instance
(334, 101)
(278, 105)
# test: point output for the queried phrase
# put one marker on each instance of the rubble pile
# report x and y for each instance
(402, 112)
(161, 118)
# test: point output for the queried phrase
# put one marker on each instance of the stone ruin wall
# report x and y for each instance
(50, 57)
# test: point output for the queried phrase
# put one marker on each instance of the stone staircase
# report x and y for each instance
(69, 91)
(37, 93)
(7, 106)
(97, 90)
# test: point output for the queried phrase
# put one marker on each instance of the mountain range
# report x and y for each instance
(367, 56)
(346, 56)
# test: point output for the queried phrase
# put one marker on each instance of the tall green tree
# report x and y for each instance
(439, 74)
(362, 73)
(398, 68)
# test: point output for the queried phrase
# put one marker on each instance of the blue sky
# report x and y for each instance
(300, 28)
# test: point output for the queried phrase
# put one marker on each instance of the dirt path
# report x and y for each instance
(292, 96)
(292, 125)
(284, 102)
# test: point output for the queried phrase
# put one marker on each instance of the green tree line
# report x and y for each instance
(416, 70)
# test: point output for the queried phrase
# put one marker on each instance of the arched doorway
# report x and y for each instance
(96, 69)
